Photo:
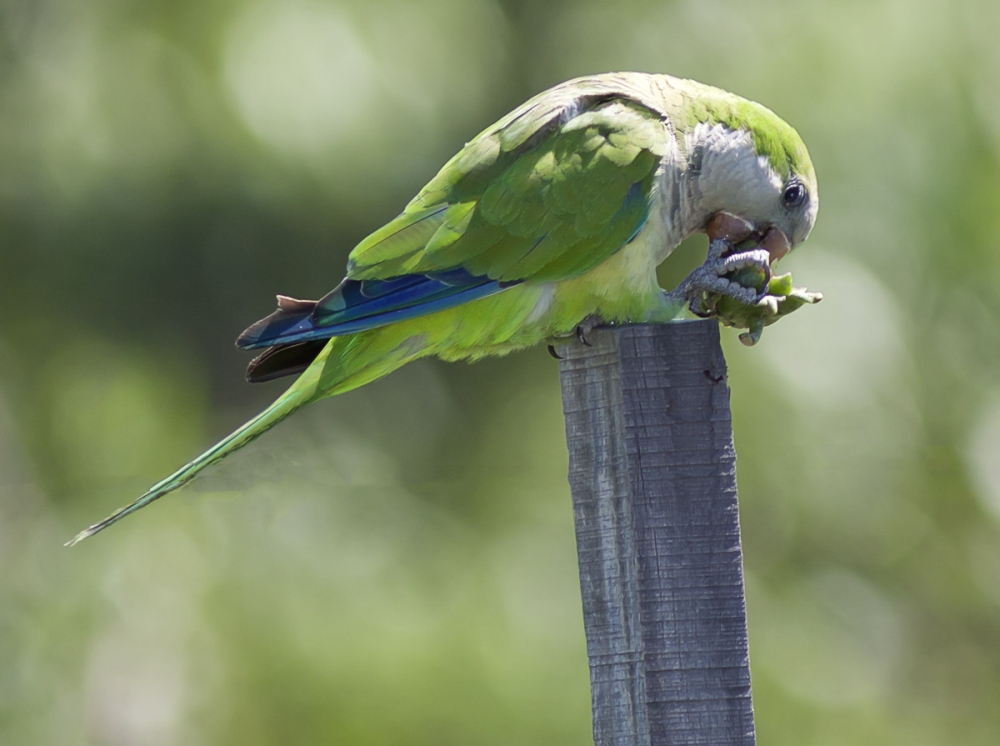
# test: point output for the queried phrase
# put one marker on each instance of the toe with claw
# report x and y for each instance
(583, 330)
(741, 275)
(736, 283)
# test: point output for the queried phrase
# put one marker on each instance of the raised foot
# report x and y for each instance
(740, 275)
(735, 284)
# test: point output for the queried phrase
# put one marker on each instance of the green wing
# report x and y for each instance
(548, 193)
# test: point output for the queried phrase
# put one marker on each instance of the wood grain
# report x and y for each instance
(653, 477)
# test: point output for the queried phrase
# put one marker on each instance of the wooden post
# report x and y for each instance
(653, 475)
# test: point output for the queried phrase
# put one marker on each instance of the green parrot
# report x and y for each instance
(550, 221)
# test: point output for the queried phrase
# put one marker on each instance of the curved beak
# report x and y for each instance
(728, 227)
(734, 229)
(776, 243)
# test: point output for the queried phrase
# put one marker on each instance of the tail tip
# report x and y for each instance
(85, 534)
(100, 526)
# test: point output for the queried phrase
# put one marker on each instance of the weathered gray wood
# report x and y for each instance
(653, 476)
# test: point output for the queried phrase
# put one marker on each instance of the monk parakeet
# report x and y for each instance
(554, 217)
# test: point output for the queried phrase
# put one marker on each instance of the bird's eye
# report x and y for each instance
(794, 194)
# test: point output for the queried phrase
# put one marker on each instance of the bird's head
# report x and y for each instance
(746, 161)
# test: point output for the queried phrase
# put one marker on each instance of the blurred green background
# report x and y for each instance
(397, 566)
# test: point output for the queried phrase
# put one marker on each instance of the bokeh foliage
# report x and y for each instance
(397, 566)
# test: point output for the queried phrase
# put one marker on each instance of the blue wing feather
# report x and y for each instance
(357, 305)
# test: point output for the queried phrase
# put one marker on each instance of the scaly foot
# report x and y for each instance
(581, 332)
(584, 328)
(711, 278)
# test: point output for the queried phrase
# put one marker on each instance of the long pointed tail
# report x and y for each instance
(344, 364)
(282, 407)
